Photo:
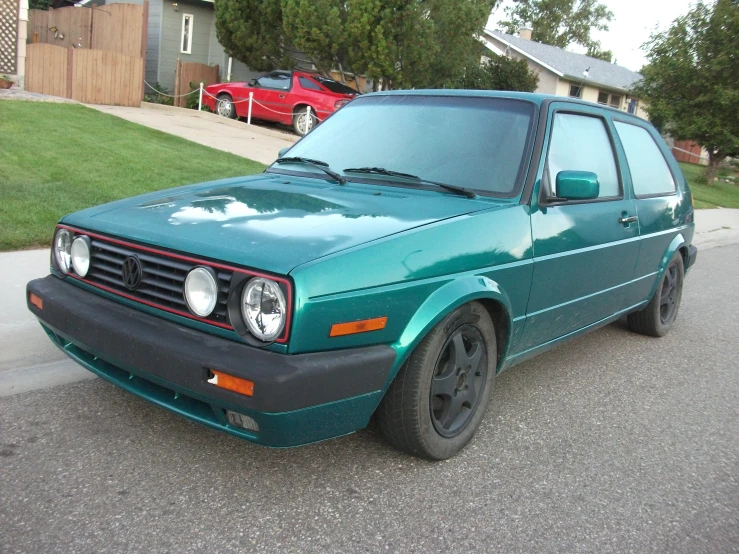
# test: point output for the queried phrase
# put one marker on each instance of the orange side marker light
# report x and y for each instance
(229, 382)
(36, 301)
(354, 327)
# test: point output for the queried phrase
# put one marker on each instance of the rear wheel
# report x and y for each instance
(658, 317)
(225, 106)
(303, 120)
(440, 395)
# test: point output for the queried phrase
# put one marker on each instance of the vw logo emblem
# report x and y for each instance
(131, 272)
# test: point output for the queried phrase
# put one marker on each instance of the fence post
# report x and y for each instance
(248, 118)
(200, 99)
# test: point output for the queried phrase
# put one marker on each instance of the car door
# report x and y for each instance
(584, 251)
(656, 198)
(270, 96)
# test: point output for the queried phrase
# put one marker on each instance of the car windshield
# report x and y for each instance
(472, 142)
(334, 86)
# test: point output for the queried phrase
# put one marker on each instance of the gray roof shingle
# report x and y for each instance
(572, 64)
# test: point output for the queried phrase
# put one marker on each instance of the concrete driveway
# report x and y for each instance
(249, 141)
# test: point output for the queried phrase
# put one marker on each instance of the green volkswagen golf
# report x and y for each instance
(391, 263)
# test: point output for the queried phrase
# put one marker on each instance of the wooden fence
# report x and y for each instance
(687, 151)
(47, 69)
(192, 72)
(93, 55)
(115, 27)
(90, 76)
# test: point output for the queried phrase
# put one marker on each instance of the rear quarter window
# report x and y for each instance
(650, 174)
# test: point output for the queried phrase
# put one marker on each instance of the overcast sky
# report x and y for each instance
(633, 22)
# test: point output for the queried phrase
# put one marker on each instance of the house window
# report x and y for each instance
(187, 20)
(575, 91)
(633, 104)
(613, 100)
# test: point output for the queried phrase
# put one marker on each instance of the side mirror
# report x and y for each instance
(252, 82)
(576, 185)
(283, 151)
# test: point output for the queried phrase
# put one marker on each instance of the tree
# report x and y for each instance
(40, 4)
(559, 22)
(252, 31)
(500, 73)
(595, 51)
(396, 43)
(691, 83)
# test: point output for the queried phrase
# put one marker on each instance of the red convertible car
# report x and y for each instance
(294, 98)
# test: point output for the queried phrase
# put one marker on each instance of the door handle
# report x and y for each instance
(282, 96)
(627, 219)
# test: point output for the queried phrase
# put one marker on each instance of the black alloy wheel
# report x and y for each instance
(458, 382)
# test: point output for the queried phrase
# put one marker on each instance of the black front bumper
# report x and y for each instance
(149, 346)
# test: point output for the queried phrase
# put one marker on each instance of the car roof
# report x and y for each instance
(534, 97)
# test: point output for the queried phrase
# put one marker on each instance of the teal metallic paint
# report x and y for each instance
(269, 221)
(395, 276)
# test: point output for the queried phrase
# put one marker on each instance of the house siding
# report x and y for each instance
(171, 36)
(551, 83)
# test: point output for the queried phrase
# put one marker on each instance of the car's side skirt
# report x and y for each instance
(535, 351)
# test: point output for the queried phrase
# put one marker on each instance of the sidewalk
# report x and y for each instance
(236, 137)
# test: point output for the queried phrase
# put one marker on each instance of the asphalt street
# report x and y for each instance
(612, 443)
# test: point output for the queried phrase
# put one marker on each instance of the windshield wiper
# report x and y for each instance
(382, 171)
(323, 166)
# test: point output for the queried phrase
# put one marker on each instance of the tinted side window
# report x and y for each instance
(649, 171)
(581, 143)
(275, 80)
(308, 84)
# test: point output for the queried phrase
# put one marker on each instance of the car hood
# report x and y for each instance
(271, 222)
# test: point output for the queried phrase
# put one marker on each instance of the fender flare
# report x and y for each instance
(440, 303)
(677, 243)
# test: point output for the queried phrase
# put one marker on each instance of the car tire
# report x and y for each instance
(225, 106)
(303, 121)
(659, 315)
(453, 368)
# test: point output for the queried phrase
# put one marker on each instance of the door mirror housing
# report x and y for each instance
(252, 82)
(577, 185)
(282, 151)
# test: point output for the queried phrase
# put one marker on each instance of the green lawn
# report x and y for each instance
(725, 195)
(60, 158)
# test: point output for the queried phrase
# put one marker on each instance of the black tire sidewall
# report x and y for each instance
(435, 445)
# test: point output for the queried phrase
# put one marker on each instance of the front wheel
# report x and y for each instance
(225, 106)
(658, 317)
(440, 395)
(304, 120)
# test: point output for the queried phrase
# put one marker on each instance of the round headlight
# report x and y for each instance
(81, 255)
(264, 308)
(62, 249)
(201, 291)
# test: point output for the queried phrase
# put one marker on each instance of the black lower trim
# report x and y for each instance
(148, 344)
(692, 255)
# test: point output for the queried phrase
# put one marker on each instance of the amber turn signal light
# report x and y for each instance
(36, 301)
(354, 327)
(229, 382)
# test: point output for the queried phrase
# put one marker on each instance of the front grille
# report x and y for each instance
(162, 282)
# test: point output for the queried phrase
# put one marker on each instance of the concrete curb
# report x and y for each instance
(284, 135)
